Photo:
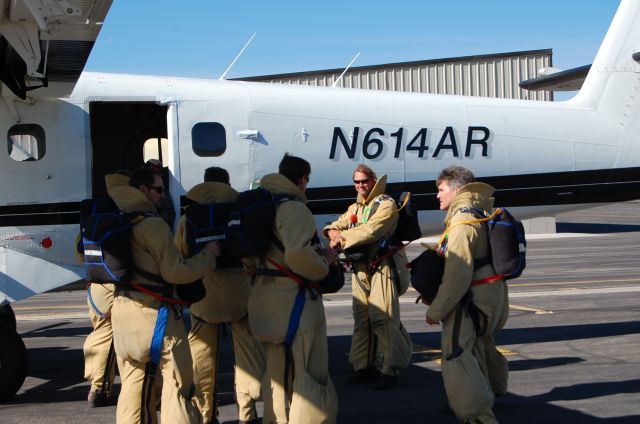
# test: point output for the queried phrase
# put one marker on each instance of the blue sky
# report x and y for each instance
(200, 38)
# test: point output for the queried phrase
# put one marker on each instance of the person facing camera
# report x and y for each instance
(380, 346)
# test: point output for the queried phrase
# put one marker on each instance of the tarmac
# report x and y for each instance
(572, 341)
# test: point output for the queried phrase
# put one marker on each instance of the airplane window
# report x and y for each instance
(208, 139)
(26, 142)
(156, 148)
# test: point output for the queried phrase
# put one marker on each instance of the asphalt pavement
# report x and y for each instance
(572, 341)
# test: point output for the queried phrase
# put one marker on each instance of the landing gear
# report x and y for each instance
(13, 355)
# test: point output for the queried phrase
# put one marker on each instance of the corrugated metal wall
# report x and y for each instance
(496, 75)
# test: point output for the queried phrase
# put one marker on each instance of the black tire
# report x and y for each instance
(8, 317)
(13, 363)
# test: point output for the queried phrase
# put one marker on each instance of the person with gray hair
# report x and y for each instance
(457, 176)
(471, 306)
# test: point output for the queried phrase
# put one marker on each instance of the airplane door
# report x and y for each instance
(204, 133)
(44, 158)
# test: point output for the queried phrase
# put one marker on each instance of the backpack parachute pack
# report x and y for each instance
(408, 228)
(408, 225)
(507, 253)
(426, 274)
(106, 240)
(250, 228)
(206, 222)
(250, 233)
(507, 242)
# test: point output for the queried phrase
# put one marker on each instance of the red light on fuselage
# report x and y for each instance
(46, 243)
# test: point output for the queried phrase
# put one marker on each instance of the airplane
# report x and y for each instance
(66, 130)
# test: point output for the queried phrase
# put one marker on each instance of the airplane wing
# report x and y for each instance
(45, 42)
(569, 80)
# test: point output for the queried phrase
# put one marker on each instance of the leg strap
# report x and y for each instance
(108, 370)
(158, 333)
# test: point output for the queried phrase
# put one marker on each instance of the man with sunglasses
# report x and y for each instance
(148, 332)
(380, 346)
(165, 207)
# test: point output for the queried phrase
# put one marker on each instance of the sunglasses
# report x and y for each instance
(158, 189)
(365, 181)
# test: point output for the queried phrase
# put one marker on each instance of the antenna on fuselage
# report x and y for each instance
(223, 76)
(344, 72)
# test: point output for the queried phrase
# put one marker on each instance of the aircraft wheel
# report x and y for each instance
(13, 362)
(8, 317)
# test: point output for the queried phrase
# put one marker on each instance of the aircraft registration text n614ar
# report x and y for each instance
(373, 147)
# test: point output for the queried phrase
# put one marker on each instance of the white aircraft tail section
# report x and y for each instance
(612, 86)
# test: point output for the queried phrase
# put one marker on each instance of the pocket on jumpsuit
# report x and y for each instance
(133, 325)
(313, 402)
(467, 389)
(401, 348)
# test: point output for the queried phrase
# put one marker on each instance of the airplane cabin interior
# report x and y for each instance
(121, 132)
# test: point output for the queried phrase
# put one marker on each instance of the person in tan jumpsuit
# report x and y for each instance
(165, 208)
(99, 354)
(100, 363)
(225, 302)
(473, 370)
(380, 346)
(138, 310)
(311, 397)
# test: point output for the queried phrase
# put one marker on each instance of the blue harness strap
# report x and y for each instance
(294, 323)
(294, 318)
(93, 305)
(158, 334)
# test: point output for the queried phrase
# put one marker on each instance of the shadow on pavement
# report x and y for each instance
(593, 228)
(540, 408)
(566, 332)
(533, 364)
(57, 330)
(61, 370)
(419, 397)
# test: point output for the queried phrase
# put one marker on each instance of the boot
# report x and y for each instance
(366, 375)
(386, 382)
(96, 399)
